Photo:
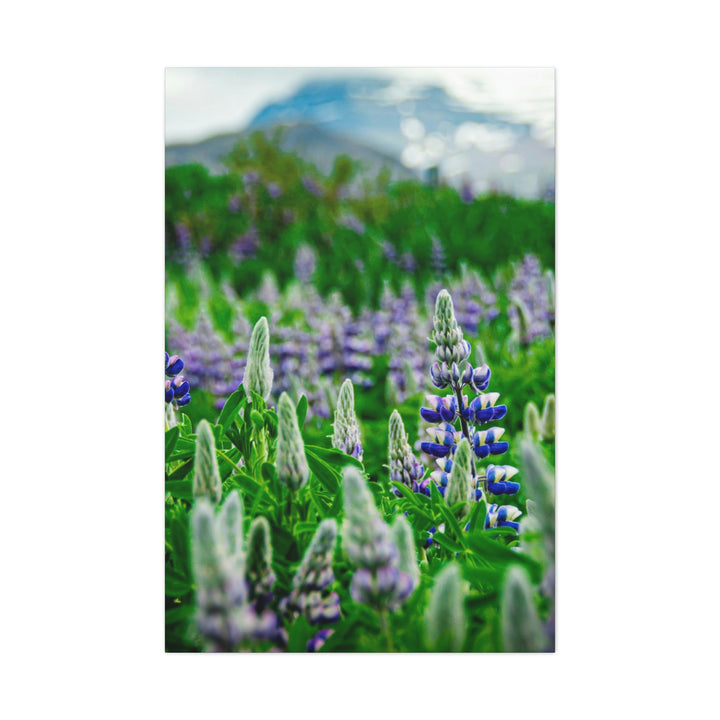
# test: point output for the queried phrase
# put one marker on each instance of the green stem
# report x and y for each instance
(385, 626)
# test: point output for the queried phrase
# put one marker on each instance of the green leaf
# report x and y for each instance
(301, 410)
(445, 541)
(328, 477)
(171, 437)
(331, 456)
(231, 408)
(181, 489)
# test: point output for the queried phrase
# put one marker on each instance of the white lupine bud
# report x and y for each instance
(521, 627)
(404, 466)
(547, 429)
(230, 531)
(290, 463)
(206, 481)
(531, 421)
(448, 337)
(258, 375)
(402, 536)
(460, 488)
(445, 622)
(346, 432)
(259, 573)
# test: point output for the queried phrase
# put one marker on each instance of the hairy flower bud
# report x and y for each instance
(258, 375)
(448, 337)
(259, 574)
(531, 421)
(521, 627)
(312, 594)
(368, 542)
(445, 622)
(346, 432)
(206, 481)
(404, 466)
(460, 488)
(291, 464)
(402, 536)
(547, 429)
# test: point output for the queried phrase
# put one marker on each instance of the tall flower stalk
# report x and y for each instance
(453, 372)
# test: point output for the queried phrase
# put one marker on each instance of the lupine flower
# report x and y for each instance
(346, 432)
(260, 575)
(291, 464)
(404, 466)
(438, 262)
(408, 263)
(445, 621)
(502, 516)
(177, 390)
(531, 421)
(318, 639)
(305, 263)
(521, 627)
(258, 375)
(206, 481)
(547, 430)
(466, 192)
(245, 246)
(402, 536)
(352, 223)
(224, 619)
(311, 186)
(530, 311)
(453, 371)
(274, 190)
(312, 594)
(367, 540)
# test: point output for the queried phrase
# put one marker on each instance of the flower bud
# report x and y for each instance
(445, 622)
(260, 575)
(206, 481)
(547, 429)
(258, 375)
(459, 487)
(531, 421)
(290, 462)
(346, 432)
(521, 627)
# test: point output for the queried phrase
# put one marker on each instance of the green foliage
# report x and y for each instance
(272, 475)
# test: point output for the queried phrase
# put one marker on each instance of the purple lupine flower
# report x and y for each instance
(382, 578)
(446, 412)
(312, 594)
(305, 263)
(466, 192)
(530, 313)
(251, 178)
(408, 263)
(311, 186)
(235, 204)
(177, 390)
(390, 252)
(353, 223)
(245, 246)
(438, 262)
(274, 190)
(318, 639)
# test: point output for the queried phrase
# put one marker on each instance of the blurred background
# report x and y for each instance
(337, 203)
(488, 129)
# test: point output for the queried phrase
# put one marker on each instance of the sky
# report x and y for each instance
(201, 102)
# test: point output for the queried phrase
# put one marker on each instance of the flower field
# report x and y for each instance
(359, 413)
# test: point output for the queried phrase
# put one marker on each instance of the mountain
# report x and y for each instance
(407, 128)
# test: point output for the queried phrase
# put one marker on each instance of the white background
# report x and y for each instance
(637, 374)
